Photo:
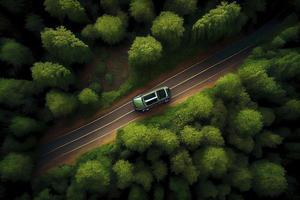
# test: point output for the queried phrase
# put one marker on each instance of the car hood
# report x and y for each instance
(138, 103)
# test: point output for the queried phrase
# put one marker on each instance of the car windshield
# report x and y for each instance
(161, 94)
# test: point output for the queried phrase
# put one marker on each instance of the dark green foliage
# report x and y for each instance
(110, 6)
(15, 54)
(88, 97)
(49, 74)
(144, 51)
(269, 139)
(143, 176)
(268, 115)
(110, 28)
(16, 167)
(159, 170)
(158, 193)
(219, 22)
(212, 161)
(248, 122)
(34, 23)
(179, 188)
(166, 140)
(60, 103)
(251, 7)
(208, 190)
(219, 115)
(21, 126)
(241, 178)
(245, 144)
(181, 7)
(90, 32)
(268, 178)
(229, 87)
(191, 137)
(93, 176)
(290, 110)
(142, 10)
(168, 28)
(16, 6)
(64, 46)
(137, 193)
(124, 171)
(212, 136)
(15, 93)
(66, 8)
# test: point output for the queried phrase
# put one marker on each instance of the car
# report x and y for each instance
(144, 102)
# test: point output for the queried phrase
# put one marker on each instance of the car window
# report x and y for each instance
(161, 94)
(148, 103)
(149, 96)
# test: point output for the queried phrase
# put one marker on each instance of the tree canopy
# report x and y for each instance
(142, 10)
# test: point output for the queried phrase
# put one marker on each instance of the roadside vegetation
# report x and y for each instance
(45, 46)
(237, 140)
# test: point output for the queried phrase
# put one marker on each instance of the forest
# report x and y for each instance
(237, 140)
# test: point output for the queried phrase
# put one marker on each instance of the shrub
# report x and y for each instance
(142, 10)
(124, 171)
(21, 126)
(88, 97)
(191, 137)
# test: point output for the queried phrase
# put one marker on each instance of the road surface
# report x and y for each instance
(181, 83)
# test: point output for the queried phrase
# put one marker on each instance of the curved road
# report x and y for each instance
(182, 82)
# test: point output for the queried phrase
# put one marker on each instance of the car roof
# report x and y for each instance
(152, 91)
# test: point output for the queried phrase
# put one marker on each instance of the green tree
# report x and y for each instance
(208, 190)
(179, 188)
(166, 140)
(198, 107)
(88, 97)
(15, 93)
(219, 115)
(212, 161)
(191, 137)
(137, 193)
(180, 160)
(15, 54)
(248, 122)
(143, 176)
(93, 176)
(144, 51)
(34, 23)
(159, 170)
(60, 103)
(159, 193)
(16, 167)
(110, 28)
(124, 171)
(21, 126)
(181, 7)
(50, 74)
(66, 8)
(212, 136)
(219, 22)
(63, 45)
(142, 10)
(228, 87)
(268, 115)
(290, 110)
(245, 144)
(241, 179)
(44, 195)
(168, 28)
(269, 139)
(90, 32)
(268, 178)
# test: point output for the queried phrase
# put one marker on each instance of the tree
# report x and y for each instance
(142, 10)
(159, 170)
(15, 93)
(90, 32)
(168, 28)
(16, 167)
(197, 107)
(60, 103)
(191, 137)
(44, 195)
(180, 160)
(16, 7)
(15, 54)
(245, 144)
(219, 115)
(268, 178)
(143, 176)
(34, 23)
(110, 28)
(212, 136)
(144, 51)
(110, 6)
(212, 161)
(21, 126)
(137, 193)
(124, 171)
(166, 140)
(241, 178)
(248, 122)
(179, 188)
(251, 7)
(66, 8)
(218, 23)
(290, 110)
(88, 97)
(93, 176)
(159, 193)
(269, 139)
(228, 87)
(268, 115)
(181, 7)
(63, 45)
(208, 190)
(49, 74)
(258, 84)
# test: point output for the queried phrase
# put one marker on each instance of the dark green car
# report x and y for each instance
(144, 102)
